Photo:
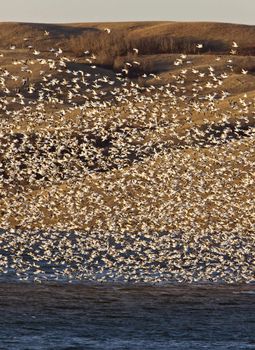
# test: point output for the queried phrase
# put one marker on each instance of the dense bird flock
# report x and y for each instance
(108, 178)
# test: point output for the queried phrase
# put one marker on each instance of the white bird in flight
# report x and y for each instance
(149, 106)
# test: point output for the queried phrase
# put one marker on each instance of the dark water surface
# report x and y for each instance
(110, 316)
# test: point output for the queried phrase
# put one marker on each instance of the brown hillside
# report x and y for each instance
(216, 37)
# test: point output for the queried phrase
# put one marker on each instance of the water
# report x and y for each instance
(122, 316)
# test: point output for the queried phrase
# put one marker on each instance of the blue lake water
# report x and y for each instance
(125, 316)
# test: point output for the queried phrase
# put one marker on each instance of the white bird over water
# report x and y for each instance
(107, 30)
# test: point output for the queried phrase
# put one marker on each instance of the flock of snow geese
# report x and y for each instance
(108, 178)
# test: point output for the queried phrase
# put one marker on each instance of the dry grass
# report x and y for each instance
(148, 37)
(159, 44)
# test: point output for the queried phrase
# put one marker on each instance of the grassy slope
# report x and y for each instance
(114, 201)
(200, 31)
